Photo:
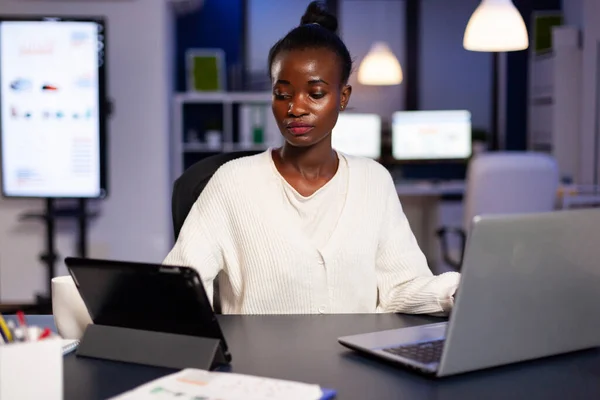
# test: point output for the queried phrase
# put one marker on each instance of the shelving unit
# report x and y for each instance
(205, 124)
(555, 101)
(541, 102)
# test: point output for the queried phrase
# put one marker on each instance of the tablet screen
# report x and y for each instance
(146, 297)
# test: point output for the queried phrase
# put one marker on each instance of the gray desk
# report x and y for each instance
(304, 348)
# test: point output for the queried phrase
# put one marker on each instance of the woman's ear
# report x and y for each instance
(345, 97)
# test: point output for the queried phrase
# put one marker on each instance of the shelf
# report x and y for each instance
(223, 97)
(199, 111)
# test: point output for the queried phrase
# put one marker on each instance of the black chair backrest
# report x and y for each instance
(188, 187)
(192, 182)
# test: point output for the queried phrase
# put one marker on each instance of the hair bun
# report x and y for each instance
(316, 13)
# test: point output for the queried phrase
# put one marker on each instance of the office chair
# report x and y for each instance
(188, 187)
(503, 183)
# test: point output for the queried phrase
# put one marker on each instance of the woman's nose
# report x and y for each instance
(296, 108)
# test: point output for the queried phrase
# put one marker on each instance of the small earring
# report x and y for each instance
(341, 108)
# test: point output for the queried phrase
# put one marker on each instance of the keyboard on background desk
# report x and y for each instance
(435, 188)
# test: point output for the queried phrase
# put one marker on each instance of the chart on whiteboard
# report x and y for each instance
(50, 109)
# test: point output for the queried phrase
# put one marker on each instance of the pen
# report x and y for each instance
(5, 330)
(46, 333)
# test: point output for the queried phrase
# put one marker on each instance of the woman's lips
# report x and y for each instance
(300, 130)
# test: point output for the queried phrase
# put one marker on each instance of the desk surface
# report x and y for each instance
(304, 348)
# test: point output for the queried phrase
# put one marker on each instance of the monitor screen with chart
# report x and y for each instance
(52, 98)
(358, 135)
(431, 135)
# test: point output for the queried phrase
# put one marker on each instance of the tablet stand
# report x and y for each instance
(157, 349)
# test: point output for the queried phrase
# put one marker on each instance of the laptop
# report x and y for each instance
(530, 288)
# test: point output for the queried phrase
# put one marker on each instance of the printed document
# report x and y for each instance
(196, 384)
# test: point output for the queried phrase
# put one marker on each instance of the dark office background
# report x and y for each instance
(222, 24)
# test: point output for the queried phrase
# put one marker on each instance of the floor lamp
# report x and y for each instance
(495, 26)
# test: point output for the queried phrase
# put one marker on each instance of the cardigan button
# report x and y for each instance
(322, 309)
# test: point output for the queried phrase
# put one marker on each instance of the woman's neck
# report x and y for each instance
(313, 162)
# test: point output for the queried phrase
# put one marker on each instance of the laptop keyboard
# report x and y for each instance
(425, 353)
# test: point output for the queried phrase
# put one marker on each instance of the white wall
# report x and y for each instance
(566, 108)
(589, 150)
(135, 220)
(584, 14)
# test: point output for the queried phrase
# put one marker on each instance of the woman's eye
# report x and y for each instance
(317, 95)
(281, 96)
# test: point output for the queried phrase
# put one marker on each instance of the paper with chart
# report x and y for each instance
(195, 384)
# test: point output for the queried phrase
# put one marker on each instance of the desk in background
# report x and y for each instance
(421, 201)
(578, 196)
(430, 188)
(304, 348)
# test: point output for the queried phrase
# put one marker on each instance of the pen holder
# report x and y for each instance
(31, 370)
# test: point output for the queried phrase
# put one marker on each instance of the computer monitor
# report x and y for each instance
(358, 135)
(431, 135)
(53, 111)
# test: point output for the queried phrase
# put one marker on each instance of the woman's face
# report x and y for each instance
(307, 94)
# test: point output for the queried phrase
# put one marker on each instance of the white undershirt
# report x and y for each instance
(318, 213)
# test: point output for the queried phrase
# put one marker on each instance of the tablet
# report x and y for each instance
(151, 297)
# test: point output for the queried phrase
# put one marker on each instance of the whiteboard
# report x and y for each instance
(52, 108)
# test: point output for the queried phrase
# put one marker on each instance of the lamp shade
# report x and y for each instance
(496, 25)
(380, 67)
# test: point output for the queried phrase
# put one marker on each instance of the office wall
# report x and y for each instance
(573, 12)
(268, 21)
(589, 135)
(584, 15)
(135, 220)
(362, 23)
(218, 24)
(450, 76)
